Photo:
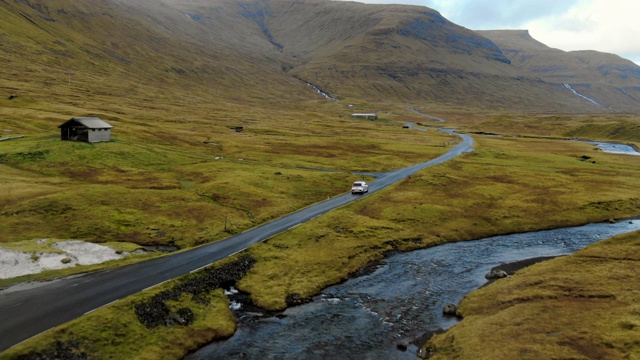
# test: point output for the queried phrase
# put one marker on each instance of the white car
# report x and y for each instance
(359, 187)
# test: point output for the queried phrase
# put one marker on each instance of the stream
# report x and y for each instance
(384, 314)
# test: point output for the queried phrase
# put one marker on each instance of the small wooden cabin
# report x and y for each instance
(87, 129)
(371, 116)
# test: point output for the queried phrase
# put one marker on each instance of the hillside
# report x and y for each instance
(267, 49)
(408, 53)
(117, 45)
(607, 78)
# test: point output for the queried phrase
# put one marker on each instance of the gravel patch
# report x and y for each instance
(74, 252)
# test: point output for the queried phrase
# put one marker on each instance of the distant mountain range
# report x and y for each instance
(270, 49)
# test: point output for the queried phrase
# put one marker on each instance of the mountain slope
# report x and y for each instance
(115, 44)
(265, 50)
(607, 78)
(408, 53)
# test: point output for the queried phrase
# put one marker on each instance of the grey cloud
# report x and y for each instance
(501, 14)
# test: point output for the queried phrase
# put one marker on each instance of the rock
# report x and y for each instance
(154, 311)
(295, 299)
(427, 351)
(69, 349)
(182, 317)
(187, 315)
(496, 274)
(173, 319)
(450, 309)
(402, 347)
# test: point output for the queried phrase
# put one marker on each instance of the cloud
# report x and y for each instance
(497, 14)
(488, 14)
(602, 25)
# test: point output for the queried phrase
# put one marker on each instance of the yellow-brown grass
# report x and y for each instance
(508, 184)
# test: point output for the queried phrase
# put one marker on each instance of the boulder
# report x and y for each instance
(496, 274)
(450, 309)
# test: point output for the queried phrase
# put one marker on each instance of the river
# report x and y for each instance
(615, 148)
(382, 314)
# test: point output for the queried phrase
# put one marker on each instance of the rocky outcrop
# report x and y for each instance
(155, 312)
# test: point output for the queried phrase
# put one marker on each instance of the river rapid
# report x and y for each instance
(386, 313)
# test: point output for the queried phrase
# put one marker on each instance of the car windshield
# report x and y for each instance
(358, 184)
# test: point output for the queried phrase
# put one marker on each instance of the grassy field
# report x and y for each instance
(508, 184)
(191, 182)
(147, 188)
(582, 306)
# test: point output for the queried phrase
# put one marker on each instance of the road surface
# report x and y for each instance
(30, 309)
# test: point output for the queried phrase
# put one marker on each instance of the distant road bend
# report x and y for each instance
(28, 310)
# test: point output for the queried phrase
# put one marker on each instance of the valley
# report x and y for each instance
(216, 131)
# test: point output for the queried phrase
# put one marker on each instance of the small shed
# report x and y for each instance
(370, 116)
(87, 129)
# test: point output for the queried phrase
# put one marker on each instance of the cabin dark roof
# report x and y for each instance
(88, 122)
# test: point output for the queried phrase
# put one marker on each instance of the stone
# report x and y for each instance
(496, 274)
(450, 309)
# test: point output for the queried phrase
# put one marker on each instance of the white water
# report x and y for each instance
(582, 96)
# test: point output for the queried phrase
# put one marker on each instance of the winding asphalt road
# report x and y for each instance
(28, 310)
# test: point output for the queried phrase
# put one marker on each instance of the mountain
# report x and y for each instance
(610, 79)
(254, 51)
(111, 44)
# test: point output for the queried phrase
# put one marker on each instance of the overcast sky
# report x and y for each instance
(611, 26)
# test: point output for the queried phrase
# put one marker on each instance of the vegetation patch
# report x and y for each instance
(21, 157)
(534, 313)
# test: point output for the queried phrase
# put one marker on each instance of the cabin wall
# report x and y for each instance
(98, 135)
(85, 135)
